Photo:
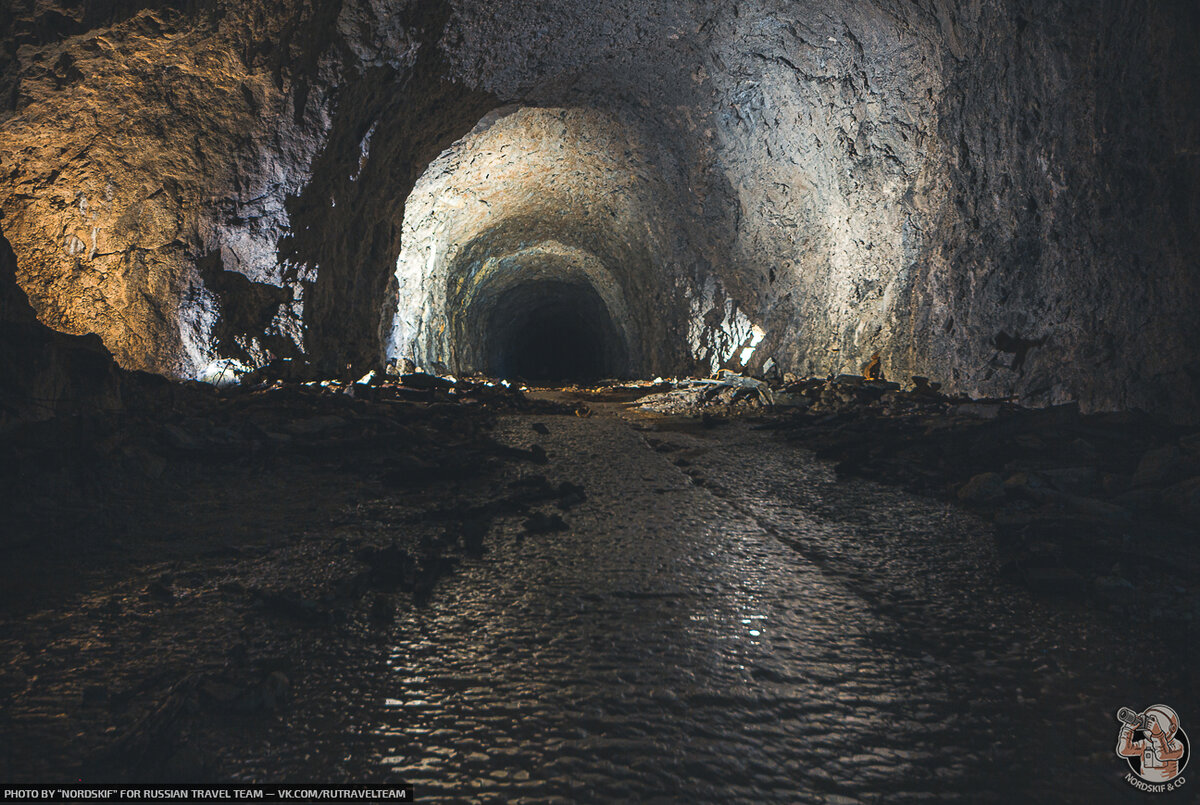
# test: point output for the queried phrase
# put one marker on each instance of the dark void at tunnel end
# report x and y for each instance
(553, 331)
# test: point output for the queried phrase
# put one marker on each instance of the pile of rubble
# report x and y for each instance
(731, 394)
(728, 393)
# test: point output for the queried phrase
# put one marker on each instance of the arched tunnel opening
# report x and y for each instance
(538, 246)
(553, 331)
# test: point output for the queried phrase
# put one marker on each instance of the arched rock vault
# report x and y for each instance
(999, 194)
(533, 196)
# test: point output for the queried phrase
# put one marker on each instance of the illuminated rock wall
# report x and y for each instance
(998, 194)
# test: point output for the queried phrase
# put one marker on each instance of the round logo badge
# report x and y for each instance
(1155, 746)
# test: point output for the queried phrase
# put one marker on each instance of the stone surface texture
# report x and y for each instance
(997, 194)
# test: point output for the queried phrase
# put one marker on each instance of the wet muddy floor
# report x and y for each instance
(717, 619)
(725, 621)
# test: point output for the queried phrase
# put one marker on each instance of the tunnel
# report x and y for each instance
(553, 331)
(610, 401)
(540, 218)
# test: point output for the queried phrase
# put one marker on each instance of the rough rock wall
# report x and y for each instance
(149, 155)
(803, 134)
(132, 151)
(826, 126)
(1064, 263)
(999, 194)
(346, 224)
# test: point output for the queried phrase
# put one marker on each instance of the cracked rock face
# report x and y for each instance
(135, 150)
(997, 194)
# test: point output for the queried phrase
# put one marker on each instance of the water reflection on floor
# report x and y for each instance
(725, 622)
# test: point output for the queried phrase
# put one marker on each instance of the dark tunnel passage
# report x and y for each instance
(553, 330)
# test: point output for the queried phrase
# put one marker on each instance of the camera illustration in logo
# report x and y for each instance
(1152, 742)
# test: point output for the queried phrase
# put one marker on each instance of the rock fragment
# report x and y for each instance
(986, 487)
(541, 523)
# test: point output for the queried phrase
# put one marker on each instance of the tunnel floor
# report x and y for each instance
(745, 628)
(719, 618)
